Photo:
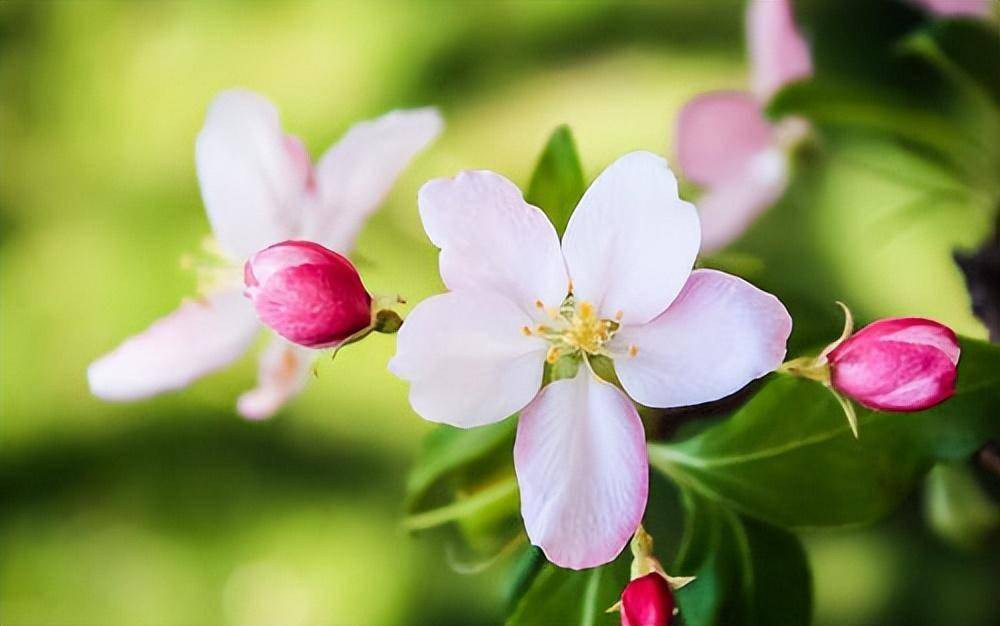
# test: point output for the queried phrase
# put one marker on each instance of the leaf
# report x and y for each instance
(788, 456)
(557, 183)
(972, 46)
(747, 572)
(448, 450)
(573, 597)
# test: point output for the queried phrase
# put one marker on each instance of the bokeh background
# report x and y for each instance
(176, 511)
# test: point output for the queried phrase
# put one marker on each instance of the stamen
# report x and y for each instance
(526, 330)
(633, 350)
(539, 304)
(619, 314)
(552, 355)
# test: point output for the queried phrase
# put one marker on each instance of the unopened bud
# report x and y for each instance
(647, 601)
(308, 294)
(898, 364)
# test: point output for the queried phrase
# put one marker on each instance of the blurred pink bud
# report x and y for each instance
(898, 364)
(308, 294)
(647, 601)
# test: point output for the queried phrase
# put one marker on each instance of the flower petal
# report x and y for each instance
(728, 209)
(718, 134)
(631, 243)
(284, 371)
(957, 8)
(354, 175)
(253, 177)
(720, 333)
(492, 240)
(580, 458)
(467, 360)
(778, 54)
(196, 339)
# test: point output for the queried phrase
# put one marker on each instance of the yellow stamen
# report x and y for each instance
(526, 331)
(633, 350)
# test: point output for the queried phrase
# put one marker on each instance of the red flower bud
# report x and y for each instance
(307, 294)
(647, 601)
(899, 364)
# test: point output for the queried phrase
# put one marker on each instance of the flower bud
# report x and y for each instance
(647, 601)
(898, 364)
(307, 294)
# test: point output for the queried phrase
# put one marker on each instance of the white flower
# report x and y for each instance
(259, 188)
(620, 286)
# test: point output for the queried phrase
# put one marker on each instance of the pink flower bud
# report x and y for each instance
(647, 601)
(899, 364)
(307, 294)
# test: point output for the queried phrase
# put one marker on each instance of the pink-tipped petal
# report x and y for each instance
(354, 175)
(283, 373)
(719, 134)
(492, 240)
(729, 208)
(631, 243)
(957, 8)
(467, 360)
(253, 178)
(899, 364)
(720, 334)
(196, 339)
(580, 458)
(778, 53)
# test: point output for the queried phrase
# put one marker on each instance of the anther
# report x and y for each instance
(619, 314)
(633, 350)
(526, 331)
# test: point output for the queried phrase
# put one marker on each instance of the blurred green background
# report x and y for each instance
(174, 510)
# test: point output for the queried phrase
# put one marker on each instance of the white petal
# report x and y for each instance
(580, 457)
(253, 178)
(632, 241)
(467, 359)
(492, 240)
(729, 208)
(283, 373)
(719, 334)
(196, 339)
(354, 175)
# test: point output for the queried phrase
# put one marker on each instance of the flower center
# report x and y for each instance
(213, 268)
(574, 328)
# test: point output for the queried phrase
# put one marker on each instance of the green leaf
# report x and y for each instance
(448, 451)
(573, 597)
(788, 457)
(557, 184)
(973, 47)
(747, 572)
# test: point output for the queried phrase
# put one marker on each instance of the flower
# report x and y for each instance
(647, 601)
(260, 188)
(724, 142)
(957, 8)
(307, 294)
(620, 287)
(897, 364)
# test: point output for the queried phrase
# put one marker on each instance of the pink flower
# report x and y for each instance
(724, 142)
(620, 286)
(647, 601)
(952, 8)
(259, 188)
(898, 364)
(307, 294)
